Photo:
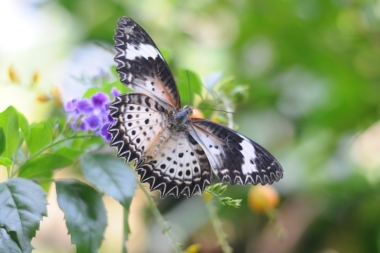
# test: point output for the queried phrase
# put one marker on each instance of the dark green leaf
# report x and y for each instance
(44, 164)
(39, 137)
(9, 242)
(2, 140)
(111, 176)
(23, 205)
(46, 181)
(9, 123)
(85, 214)
(188, 84)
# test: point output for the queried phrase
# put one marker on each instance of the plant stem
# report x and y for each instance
(48, 147)
(217, 224)
(160, 219)
(126, 229)
(228, 108)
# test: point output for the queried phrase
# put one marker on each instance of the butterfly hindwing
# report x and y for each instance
(139, 120)
(233, 157)
(179, 168)
(141, 66)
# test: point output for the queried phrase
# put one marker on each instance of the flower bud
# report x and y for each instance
(197, 114)
(262, 198)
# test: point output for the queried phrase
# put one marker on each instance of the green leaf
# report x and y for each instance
(6, 162)
(189, 84)
(39, 137)
(86, 144)
(9, 123)
(23, 205)
(85, 214)
(23, 124)
(43, 165)
(167, 54)
(2, 140)
(111, 176)
(69, 152)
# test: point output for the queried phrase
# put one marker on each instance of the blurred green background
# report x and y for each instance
(313, 72)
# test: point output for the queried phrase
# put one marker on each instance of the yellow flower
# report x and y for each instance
(35, 77)
(207, 196)
(193, 248)
(43, 98)
(13, 75)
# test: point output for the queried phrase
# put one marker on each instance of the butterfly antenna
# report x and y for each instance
(216, 110)
(188, 83)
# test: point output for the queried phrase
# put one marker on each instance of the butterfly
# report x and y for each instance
(175, 154)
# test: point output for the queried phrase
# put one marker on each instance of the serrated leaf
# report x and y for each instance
(2, 140)
(23, 205)
(189, 84)
(85, 214)
(6, 162)
(9, 123)
(9, 242)
(39, 137)
(111, 176)
(44, 164)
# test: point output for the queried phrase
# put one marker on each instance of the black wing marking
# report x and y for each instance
(233, 157)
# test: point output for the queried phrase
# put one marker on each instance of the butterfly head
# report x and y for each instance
(180, 118)
(188, 109)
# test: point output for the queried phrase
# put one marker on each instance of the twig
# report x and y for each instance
(217, 224)
(160, 220)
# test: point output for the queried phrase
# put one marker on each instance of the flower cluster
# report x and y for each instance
(91, 114)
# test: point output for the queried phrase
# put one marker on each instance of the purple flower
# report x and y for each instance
(71, 105)
(99, 100)
(115, 92)
(91, 114)
(81, 126)
(104, 132)
(93, 121)
(85, 106)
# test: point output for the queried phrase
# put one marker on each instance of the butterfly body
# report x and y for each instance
(175, 154)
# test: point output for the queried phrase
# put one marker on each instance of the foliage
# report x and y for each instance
(31, 154)
(305, 75)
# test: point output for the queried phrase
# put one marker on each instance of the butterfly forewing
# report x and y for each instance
(141, 66)
(139, 121)
(174, 154)
(233, 157)
(179, 168)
